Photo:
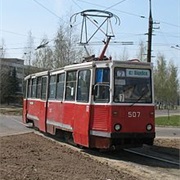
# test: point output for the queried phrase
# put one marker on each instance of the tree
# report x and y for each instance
(4, 79)
(65, 47)
(2, 49)
(160, 80)
(44, 56)
(9, 85)
(173, 84)
(141, 55)
(166, 84)
(125, 55)
(29, 49)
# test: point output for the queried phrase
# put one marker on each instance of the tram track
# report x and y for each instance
(152, 157)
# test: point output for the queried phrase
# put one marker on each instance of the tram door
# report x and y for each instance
(43, 104)
(82, 108)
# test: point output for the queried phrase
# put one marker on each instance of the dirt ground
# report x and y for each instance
(33, 157)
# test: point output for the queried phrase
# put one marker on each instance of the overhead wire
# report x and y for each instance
(141, 16)
(129, 13)
(11, 32)
(115, 4)
(47, 9)
(102, 6)
(81, 8)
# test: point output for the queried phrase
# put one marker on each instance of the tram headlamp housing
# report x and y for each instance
(149, 127)
(117, 127)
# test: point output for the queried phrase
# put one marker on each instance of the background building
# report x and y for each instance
(13, 64)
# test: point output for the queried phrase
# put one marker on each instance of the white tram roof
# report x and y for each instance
(106, 63)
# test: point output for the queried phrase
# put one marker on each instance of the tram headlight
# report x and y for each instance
(117, 127)
(149, 127)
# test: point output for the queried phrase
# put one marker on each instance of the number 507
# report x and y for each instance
(133, 114)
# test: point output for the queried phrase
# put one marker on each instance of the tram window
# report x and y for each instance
(33, 88)
(29, 88)
(70, 86)
(44, 84)
(39, 87)
(60, 86)
(132, 85)
(52, 87)
(83, 85)
(102, 85)
(102, 75)
(25, 88)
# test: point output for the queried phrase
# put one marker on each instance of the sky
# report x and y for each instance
(43, 17)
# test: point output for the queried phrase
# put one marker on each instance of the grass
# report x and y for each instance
(165, 121)
(11, 111)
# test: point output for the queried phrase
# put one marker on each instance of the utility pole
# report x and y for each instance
(150, 34)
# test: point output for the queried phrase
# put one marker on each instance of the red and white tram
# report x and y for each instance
(98, 104)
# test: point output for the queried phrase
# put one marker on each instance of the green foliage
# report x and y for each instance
(9, 85)
(166, 84)
(168, 121)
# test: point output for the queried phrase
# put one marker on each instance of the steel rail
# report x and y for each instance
(152, 157)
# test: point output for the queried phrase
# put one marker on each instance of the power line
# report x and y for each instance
(77, 5)
(15, 33)
(47, 9)
(115, 4)
(129, 13)
(132, 14)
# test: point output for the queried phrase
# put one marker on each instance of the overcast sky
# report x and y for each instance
(42, 17)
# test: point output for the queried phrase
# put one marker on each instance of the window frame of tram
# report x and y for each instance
(25, 89)
(39, 84)
(44, 88)
(83, 85)
(122, 87)
(52, 87)
(29, 88)
(71, 81)
(102, 85)
(60, 86)
(33, 88)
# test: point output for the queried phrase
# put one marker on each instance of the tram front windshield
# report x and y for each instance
(132, 85)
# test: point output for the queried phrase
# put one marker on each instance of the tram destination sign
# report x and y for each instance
(142, 73)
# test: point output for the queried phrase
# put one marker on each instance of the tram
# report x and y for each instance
(98, 104)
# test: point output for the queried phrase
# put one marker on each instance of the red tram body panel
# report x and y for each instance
(96, 112)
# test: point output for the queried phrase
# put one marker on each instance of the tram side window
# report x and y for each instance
(102, 85)
(70, 86)
(52, 87)
(39, 87)
(44, 87)
(29, 88)
(60, 86)
(33, 88)
(83, 85)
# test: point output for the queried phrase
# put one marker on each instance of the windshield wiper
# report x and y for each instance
(138, 99)
(144, 92)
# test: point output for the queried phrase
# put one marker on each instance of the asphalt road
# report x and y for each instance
(10, 125)
(159, 113)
